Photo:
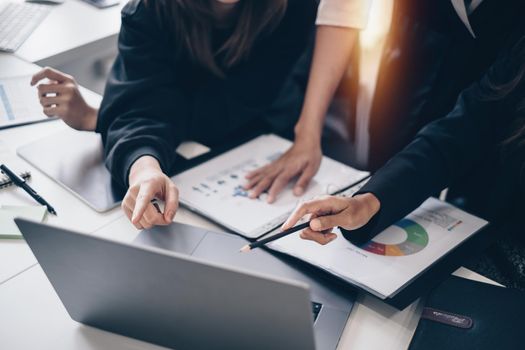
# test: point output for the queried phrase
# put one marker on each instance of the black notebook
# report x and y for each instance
(463, 314)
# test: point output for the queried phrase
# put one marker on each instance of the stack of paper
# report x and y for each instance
(8, 228)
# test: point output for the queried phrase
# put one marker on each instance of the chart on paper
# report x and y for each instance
(395, 256)
(216, 188)
(18, 102)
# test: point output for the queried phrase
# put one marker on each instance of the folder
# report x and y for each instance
(405, 261)
(465, 314)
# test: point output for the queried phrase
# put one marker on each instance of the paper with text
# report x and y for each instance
(215, 188)
(19, 102)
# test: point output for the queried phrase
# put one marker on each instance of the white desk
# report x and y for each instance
(15, 256)
(32, 316)
(72, 31)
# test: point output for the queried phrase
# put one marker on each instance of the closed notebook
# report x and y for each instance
(8, 228)
(463, 314)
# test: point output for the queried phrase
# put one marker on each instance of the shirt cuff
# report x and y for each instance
(133, 156)
(344, 13)
(380, 221)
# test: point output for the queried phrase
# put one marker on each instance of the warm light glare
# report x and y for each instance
(378, 24)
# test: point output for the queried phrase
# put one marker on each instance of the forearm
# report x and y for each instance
(90, 120)
(333, 47)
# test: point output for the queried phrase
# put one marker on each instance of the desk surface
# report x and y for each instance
(32, 314)
(68, 28)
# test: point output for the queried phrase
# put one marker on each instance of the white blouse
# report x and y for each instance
(354, 13)
(344, 13)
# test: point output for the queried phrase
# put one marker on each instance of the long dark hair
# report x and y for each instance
(190, 23)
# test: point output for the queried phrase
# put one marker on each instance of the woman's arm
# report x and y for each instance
(144, 110)
(143, 117)
(333, 47)
(338, 22)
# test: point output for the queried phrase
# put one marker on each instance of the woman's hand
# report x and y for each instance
(302, 159)
(146, 183)
(61, 97)
(332, 211)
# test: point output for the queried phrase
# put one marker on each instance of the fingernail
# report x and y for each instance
(299, 191)
(315, 224)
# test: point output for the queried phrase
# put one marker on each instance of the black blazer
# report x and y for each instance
(463, 151)
(155, 98)
(429, 58)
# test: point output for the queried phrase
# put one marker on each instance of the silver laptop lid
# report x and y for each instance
(167, 298)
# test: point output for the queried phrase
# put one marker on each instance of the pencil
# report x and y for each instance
(262, 242)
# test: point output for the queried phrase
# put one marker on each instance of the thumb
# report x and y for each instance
(322, 223)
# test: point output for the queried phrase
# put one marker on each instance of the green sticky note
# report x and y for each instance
(8, 228)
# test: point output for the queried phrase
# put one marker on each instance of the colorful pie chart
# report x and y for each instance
(416, 240)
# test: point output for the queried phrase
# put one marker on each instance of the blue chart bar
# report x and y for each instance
(6, 104)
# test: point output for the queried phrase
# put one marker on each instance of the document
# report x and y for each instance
(8, 228)
(215, 188)
(396, 256)
(19, 102)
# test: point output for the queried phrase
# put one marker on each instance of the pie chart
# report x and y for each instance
(416, 240)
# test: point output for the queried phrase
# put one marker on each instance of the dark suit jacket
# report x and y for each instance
(463, 150)
(429, 58)
(156, 97)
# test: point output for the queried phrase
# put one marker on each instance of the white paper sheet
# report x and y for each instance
(19, 102)
(8, 213)
(394, 257)
(214, 188)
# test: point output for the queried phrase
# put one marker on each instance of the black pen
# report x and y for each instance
(262, 242)
(18, 181)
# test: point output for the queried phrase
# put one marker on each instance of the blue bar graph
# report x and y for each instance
(5, 102)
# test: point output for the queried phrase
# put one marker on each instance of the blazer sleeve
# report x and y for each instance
(143, 111)
(443, 151)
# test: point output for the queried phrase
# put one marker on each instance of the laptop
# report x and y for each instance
(75, 159)
(186, 288)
